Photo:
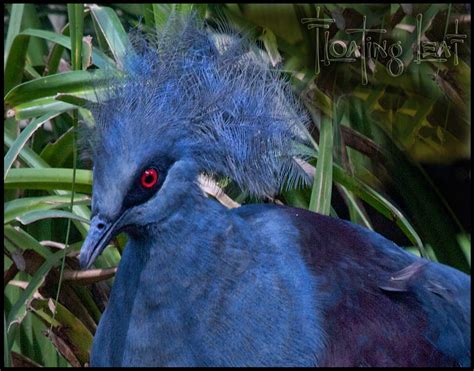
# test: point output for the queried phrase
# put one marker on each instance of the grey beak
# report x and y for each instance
(100, 233)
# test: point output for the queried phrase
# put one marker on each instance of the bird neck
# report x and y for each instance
(187, 282)
(187, 245)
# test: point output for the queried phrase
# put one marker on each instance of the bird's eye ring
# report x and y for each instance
(149, 178)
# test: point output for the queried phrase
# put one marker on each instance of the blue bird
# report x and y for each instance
(259, 285)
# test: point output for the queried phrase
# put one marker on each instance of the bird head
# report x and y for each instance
(187, 101)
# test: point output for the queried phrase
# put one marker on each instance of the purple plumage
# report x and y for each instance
(384, 307)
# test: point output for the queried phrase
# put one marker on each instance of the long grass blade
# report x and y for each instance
(322, 184)
(20, 142)
(112, 30)
(34, 216)
(6, 348)
(34, 160)
(14, 27)
(76, 28)
(33, 285)
(22, 240)
(49, 179)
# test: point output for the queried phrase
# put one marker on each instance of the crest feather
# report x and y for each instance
(212, 95)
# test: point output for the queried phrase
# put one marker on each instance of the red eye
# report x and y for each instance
(149, 178)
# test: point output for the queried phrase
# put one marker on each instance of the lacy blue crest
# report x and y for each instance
(212, 95)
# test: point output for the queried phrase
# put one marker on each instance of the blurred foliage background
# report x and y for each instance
(390, 153)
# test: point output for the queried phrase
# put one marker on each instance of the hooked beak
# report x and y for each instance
(100, 233)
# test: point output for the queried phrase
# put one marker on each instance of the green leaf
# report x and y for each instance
(6, 348)
(35, 283)
(432, 216)
(38, 107)
(357, 215)
(320, 201)
(14, 27)
(377, 201)
(98, 57)
(20, 142)
(18, 207)
(33, 160)
(66, 325)
(147, 11)
(24, 241)
(76, 28)
(57, 153)
(31, 73)
(464, 241)
(49, 179)
(37, 97)
(271, 46)
(75, 82)
(37, 48)
(160, 14)
(36, 215)
(26, 153)
(200, 9)
(72, 99)
(15, 62)
(112, 30)
(86, 298)
(296, 198)
(55, 54)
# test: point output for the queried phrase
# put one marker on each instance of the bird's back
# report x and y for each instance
(381, 306)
